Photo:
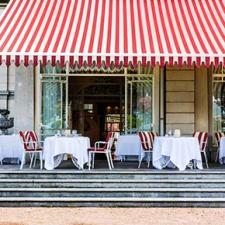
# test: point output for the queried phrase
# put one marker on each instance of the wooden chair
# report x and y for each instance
(147, 140)
(31, 146)
(102, 147)
(203, 139)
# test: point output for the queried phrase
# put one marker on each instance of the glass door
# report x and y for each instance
(54, 110)
(138, 103)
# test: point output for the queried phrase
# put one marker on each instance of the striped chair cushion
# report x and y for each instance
(34, 140)
(202, 138)
(109, 135)
(147, 139)
(92, 149)
(218, 136)
(30, 140)
(25, 137)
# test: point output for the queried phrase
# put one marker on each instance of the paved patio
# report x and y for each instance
(102, 165)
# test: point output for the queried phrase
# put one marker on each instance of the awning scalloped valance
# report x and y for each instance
(125, 31)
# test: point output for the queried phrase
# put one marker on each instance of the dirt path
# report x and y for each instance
(111, 216)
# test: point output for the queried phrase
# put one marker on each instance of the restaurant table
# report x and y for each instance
(56, 147)
(10, 147)
(176, 152)
(128, 145)
(222, 151)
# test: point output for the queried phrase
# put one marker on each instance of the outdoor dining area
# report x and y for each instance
(146, 149)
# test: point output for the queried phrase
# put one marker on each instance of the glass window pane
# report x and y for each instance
(140, 104)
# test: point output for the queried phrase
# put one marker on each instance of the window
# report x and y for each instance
(218, 101)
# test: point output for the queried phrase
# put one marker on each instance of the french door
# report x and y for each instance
(138, 103)
(54, 104)
(138, 111)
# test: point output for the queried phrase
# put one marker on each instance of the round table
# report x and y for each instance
(58, 146)
(222, 151)
(178, 151)
(10, 147)
(128, 145)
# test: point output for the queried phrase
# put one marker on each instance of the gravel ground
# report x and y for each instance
(111, 216)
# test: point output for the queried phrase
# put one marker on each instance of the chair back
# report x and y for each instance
(202, 139)
(34, 139)
(109, 135)
(218, 136)
(147, 139)
(109, 144)
(29, 140)
(25, 138)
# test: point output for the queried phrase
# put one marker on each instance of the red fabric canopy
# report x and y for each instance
(113, 31)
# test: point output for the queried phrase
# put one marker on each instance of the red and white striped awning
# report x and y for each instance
(113, 31)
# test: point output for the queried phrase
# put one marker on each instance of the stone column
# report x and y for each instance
(4, 93)
(24, 98)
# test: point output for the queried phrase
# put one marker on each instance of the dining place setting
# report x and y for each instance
(171, 151)
(56, 149)
(26, 146)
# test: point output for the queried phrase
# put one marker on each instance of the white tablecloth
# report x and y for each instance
(76, 146)
(10, 147)
(222, 151)
(128, 145)
(179, 151)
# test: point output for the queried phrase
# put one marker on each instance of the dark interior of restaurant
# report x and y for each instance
(97, 105)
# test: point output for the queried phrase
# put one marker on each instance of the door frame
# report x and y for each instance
(38, 91)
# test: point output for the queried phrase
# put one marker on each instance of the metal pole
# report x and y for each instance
(131, 104)
(126, 105)
(67, 97)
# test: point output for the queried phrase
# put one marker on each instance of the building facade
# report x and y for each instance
(94, 100)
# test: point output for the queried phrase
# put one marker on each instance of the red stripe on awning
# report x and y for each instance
(130, 31)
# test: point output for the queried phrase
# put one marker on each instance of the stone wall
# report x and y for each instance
(180, 99)
(17, 95)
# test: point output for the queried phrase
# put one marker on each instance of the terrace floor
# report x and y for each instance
(102, 165)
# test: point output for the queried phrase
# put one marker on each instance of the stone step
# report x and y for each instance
(114, 192)
(111, 183)
(111, 202)
(143, 175)
(166, 188)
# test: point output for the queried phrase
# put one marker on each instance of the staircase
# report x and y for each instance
(131, 188)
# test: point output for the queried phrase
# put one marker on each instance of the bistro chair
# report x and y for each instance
(31, 146)
(147, 140)
(218, 136)
(102, 147)
(202, 139)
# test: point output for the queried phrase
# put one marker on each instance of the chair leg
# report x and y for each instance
(32, 158)
(89, 160)
(149, 159)
(206, 160)
(217, 155)
(139, 165)
(108, 160)
(110, 157)
(35, 158)
(23, 160)
(93, 160)
(41, 160)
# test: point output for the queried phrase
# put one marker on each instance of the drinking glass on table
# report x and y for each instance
(74, 132)
(58, 133)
